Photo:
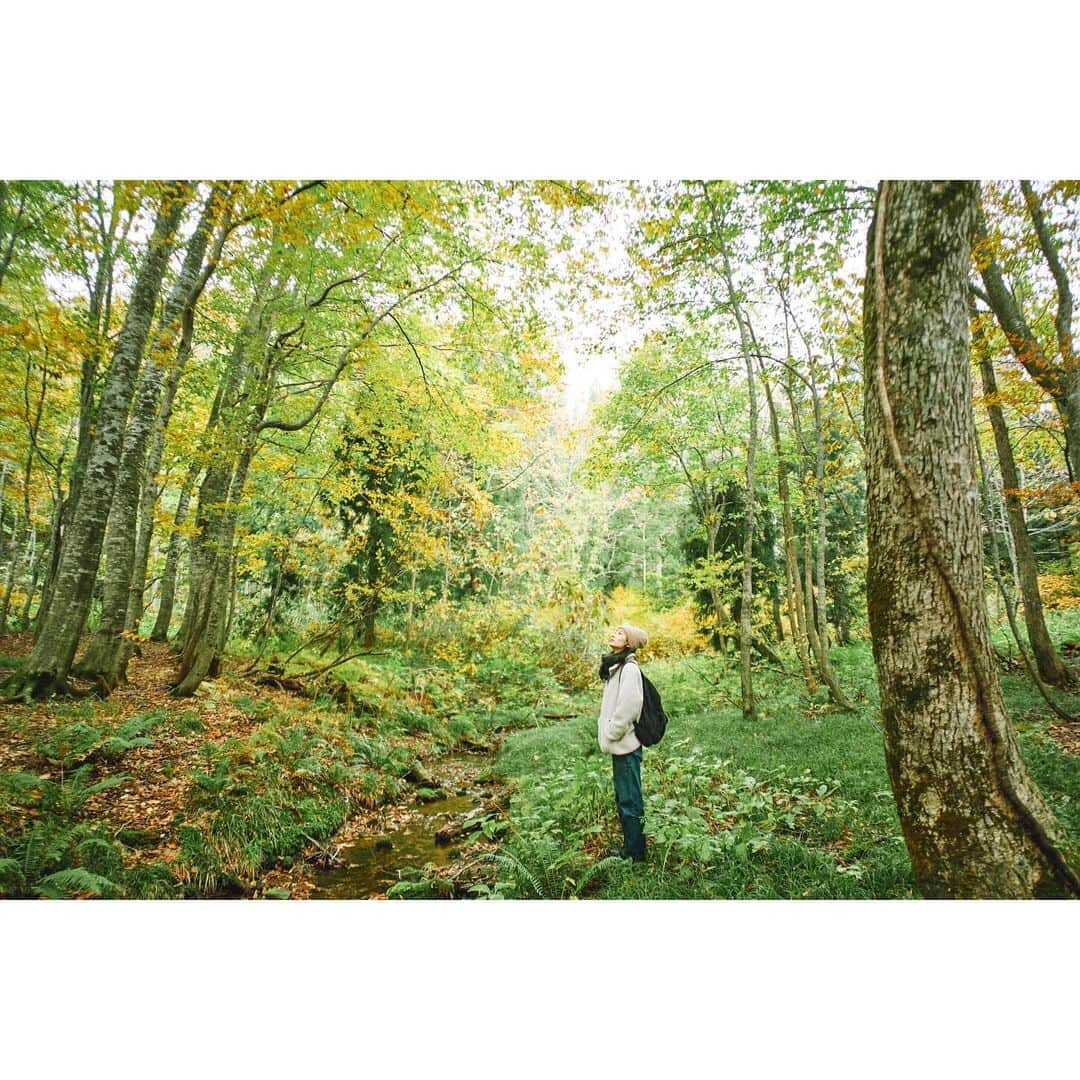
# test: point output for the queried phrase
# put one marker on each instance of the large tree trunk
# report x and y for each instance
(234, 428)
(974, 822)
(49, 662)
(151, 490)
(9, 584)
(107, 656)
(205, 644)
(1049, 664)
(218, 441)
(31, 588)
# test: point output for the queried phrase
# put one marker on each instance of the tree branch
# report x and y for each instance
(1063, 321)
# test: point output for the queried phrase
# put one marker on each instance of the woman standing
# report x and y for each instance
(620, 707)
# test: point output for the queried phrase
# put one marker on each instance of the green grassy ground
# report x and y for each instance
(793, 804)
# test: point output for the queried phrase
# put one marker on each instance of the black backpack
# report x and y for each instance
(651, 725)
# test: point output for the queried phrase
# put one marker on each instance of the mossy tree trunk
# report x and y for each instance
(110, 235)
(107, 655)
(974, 822)
(49, 663)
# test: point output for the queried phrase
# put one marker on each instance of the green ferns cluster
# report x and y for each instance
(80, 742)
(260, 801)
(59, 855)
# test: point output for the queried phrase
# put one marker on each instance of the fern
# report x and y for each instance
(141, 724)
(21, 788)
(598, 869)
(188, 723)
(131, 734)
(65, 884)
(79, 742)
(69, 798)
(100, 855)
(70, 744)
(153, 881)
(538, 888)
(213, 783)
(412, 890)
(12, 878)
(115, 746)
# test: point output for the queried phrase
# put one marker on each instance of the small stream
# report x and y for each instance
(371, 864)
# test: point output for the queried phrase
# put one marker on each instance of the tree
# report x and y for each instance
(709, 249)
(1050, 667)
(107, 656)
(1047, 354)
(974, 822)
(49, 663)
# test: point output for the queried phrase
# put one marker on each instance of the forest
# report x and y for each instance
(319, 500)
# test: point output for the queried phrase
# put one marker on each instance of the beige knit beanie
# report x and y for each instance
(636, 638)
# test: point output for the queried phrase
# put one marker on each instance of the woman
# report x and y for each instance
(620, 707)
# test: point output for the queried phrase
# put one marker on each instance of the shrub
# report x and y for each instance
(674, 632)
(1060, 591)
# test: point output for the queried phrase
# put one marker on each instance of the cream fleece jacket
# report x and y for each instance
(620, 707)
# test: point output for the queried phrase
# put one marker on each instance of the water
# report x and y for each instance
(370, 865)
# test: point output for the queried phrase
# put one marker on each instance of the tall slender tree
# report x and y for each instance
(1049, 664)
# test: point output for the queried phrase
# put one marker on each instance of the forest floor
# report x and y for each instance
(248, 790)
(188, 742)
(795, 803)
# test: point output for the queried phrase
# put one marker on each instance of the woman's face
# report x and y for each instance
(618, 640)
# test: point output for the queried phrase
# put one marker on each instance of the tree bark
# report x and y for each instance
(817, 623)
(35, 573)
(241, 405)
(49, 662)
(746, 607)
(9, 584)
(974, 822)
(824, 660)
(205, 644)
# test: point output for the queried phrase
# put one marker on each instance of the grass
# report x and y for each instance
(794, 804)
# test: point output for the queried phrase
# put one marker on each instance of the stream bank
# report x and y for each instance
(453, 825)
